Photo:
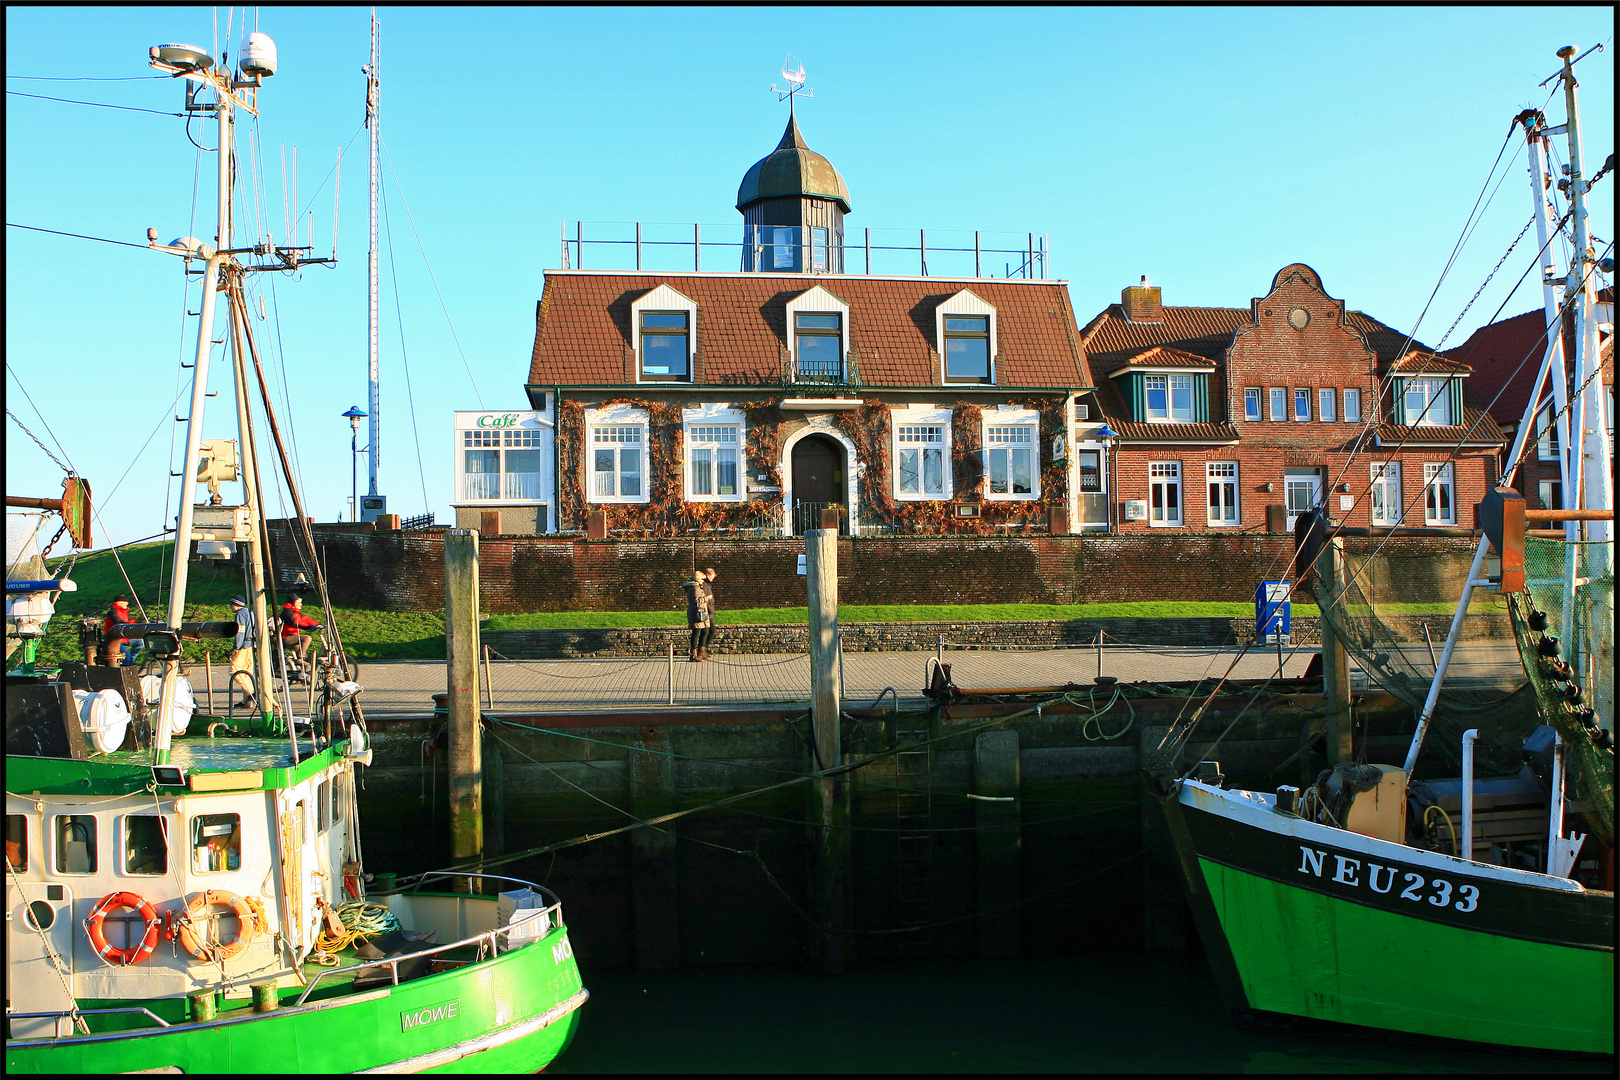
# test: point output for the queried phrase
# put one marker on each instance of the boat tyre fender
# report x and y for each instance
(209, 947)
(95, 930)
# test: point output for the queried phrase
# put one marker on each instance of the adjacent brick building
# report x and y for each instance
(1230, 419)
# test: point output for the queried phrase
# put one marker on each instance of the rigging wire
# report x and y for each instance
(72, 78)
(431, 276)
(96, 104)
(77, 236)
(399, 315)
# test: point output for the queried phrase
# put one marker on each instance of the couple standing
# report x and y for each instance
(700, 612)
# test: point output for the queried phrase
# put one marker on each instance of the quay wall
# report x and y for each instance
(404, 570)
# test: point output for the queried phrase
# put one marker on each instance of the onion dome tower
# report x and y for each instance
(793, 204)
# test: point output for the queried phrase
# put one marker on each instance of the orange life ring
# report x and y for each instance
(210, 947)
(98, 937)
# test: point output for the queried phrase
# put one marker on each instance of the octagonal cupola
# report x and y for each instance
(793, 204)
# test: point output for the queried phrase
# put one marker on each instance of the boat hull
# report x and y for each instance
(514, 1013)
(1300, 920)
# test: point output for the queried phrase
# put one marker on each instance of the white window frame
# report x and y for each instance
(664, 298)
(1438, 478)
(1436, 395)
(1385, 492)
(1327, 405)
(818, 301)
(1277, 399)
(1547, 442)
(1255, 391)
(1551, 493)
(1352, 406)
(694, 422)
(1163, 475)
(1223, 508)
(924, 416)
(1004, 416)
(616, 416)
(1298, 393)
(965, 302)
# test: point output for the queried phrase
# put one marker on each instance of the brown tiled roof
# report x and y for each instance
(1483, 426)
(583, 328)
(1112, 403)
(1505, 357)
(1161, 356)
(1422, 362)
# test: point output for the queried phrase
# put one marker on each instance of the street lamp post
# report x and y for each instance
(1109, 437)
(354, 416)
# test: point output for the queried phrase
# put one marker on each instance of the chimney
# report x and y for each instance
(1141, 302)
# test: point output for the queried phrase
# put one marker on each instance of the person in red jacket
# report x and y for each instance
(293, 639)
(112, 647)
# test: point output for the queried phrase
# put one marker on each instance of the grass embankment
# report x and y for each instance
(380, 635)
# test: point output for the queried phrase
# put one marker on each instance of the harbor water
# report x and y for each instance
(1097, 1014)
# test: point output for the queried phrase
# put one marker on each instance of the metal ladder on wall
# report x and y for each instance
(914, 839)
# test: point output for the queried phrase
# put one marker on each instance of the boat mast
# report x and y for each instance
(373, 98)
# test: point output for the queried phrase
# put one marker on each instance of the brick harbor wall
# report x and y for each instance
(404, 571)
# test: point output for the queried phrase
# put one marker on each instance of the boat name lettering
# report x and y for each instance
(1381, 879)
(561, 951)
(431, 1014)
(508, 420)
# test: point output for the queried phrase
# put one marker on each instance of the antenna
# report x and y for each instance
(793, 85)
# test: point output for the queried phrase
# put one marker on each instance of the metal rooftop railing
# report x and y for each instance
(656, 246)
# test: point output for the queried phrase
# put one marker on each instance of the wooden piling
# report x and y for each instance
(1335, 660)
(654, 879)
(829, 891)
(461, 667)
(996, 775)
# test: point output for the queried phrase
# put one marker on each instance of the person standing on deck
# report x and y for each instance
(697, 613)
(247, 635)
(112, 647)
(708, 631)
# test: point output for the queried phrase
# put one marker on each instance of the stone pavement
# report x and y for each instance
(401, 689)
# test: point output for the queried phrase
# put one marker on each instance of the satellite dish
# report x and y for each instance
(184, 57)
(258, 56)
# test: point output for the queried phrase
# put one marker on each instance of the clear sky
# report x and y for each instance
(1204, 147)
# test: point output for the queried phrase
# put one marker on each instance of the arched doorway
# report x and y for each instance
(818, 481)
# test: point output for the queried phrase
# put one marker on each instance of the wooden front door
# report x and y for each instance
(818, 481)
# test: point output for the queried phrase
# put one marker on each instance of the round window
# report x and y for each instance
(1299, 318)
(41, 916)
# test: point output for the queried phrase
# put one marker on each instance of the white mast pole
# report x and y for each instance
(373, 94)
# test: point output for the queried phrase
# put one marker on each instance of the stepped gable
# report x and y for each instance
(583, 332)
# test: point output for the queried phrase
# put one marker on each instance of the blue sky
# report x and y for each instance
(1204, 147)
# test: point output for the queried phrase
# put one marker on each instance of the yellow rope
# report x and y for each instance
(360, 919)
(1455, 848)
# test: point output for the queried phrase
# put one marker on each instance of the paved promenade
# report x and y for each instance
(405, 688)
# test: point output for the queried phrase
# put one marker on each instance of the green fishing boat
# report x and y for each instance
(187, 892)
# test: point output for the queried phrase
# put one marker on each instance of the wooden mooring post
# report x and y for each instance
(461, 674)
(829, 881)
(1335, 660)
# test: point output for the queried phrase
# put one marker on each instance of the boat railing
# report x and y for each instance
(548, 919)
(64, 1013)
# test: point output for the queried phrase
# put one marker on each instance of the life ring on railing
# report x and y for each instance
(211, 948)
(93, 927)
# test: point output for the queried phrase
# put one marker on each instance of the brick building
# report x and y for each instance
(1237, 420)
(1505, 357)
(750, 400)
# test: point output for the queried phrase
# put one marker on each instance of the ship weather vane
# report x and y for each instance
(793, 86)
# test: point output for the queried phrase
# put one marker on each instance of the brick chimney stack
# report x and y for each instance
(1141, 302)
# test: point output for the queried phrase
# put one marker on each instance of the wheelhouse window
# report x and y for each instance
(500, 464)
(1326, 407)
(920, 459)
(712, 453)
(1302, 405)
(1352, 406)
(664, 350)
(323, 806)
(75, 844)
(1010, 460)
(340, 796)
(1251, 403)
(1169, 397)
(1223, 492)
(616, 456)
(216, 843)
(1386, 493)
(1427, 402)
(1279, 404)
(818, 346)
(1438, 504)
(1164, 503)
(967, 348)
(146, 848)
(17, 842)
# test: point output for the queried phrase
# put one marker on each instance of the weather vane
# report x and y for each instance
(793, 73)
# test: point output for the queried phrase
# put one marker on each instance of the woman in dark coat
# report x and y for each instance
(697, 613)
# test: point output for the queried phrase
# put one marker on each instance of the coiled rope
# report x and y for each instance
(361, 919)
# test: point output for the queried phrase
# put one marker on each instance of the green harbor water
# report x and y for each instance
(1113, 1013)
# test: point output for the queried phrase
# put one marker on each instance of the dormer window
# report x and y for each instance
(817, 345)
(664, 323)
(1426, 402)
(1169, 397)
(967, 348)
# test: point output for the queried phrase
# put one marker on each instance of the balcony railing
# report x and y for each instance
(820, 372)
(656, 246)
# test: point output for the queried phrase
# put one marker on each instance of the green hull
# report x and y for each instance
(1303, 953)
(514, 1013)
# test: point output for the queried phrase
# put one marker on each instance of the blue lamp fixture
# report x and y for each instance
(354, 416)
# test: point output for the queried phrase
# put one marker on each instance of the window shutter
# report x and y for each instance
(1454, 392)
(1397, 413)
(1200, 388)
(1136, 392)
